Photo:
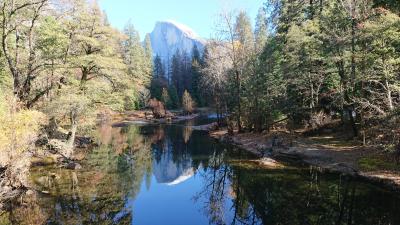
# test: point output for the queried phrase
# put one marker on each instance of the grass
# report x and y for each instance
(333, 141)
(374, 163)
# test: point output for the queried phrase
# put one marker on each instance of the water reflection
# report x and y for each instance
(174, 175)
(252, 196)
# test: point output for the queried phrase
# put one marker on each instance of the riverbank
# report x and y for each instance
(146, 117)
(323, 151)
(332, 153)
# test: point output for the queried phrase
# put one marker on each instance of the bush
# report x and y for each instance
(187, 103)
(157, 108)
(19, 131)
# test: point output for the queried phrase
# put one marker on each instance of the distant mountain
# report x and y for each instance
(169, 36)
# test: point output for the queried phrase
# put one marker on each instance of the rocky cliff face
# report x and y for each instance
(170, 36)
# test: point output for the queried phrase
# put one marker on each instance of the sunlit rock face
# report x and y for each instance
(172, 172)
(170, 36)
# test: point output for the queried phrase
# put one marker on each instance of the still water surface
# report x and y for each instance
(172, 175)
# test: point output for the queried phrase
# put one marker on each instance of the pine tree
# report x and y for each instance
(177, 72)
(381, 62)
(159, 69)
(243, 46)
(135, 56)
(173, 94)
(158, 81)
(148, 59)
(261, 30)
(196, 75)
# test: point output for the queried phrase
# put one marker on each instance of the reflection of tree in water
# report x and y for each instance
(215, 189)
(290, 196)
(187, 131)
(232, 192)
(111, 173)
(177, 155)
(26, 214)
(172, 160)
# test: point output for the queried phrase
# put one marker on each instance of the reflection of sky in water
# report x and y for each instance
(174, 205)
(170, 175)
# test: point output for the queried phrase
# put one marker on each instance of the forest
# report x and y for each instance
(305, 64)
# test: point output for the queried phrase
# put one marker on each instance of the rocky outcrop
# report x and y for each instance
(170, 36)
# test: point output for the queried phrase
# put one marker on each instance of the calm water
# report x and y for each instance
(152, 175)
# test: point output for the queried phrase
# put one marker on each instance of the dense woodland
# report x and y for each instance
(61, 63)
(307, 63)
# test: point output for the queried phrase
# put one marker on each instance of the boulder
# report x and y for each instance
(73, 166)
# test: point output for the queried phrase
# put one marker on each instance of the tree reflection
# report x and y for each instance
(215, 189)
(233, 191)
(187, 131)
(112, 173)
(234, 194)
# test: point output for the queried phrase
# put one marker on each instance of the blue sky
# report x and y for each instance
(200, 15)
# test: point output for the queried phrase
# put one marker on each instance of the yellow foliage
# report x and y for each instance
(19, 129)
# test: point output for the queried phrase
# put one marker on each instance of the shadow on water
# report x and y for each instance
(170, 174)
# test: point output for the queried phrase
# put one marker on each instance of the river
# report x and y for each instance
(170, 174)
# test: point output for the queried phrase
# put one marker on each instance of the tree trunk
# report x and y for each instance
(352, 122)
(84, 77)
(353, 42)
(389, 96)
(71, 135)
(239, 113)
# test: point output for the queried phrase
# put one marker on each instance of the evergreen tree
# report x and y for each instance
(381, 62)
(261, 30)
(196, 75)
(173, 95)
(148, 60)
(159, 69)
(134, 55)
(244, 50)
(177, 72)
(158, 81)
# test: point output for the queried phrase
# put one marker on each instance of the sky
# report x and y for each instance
(200, 15)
